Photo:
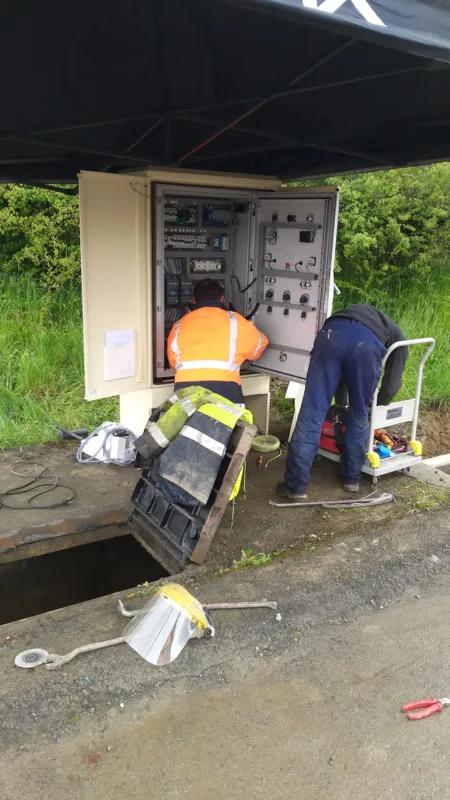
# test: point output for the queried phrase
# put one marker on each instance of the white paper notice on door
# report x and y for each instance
(119, 355)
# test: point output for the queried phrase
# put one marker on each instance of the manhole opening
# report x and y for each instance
(55, 580)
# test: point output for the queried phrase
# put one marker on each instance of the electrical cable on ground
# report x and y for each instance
(37, 486)
(274, 458)
(365, 502)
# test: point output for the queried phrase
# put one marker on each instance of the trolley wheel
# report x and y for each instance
(374, 480)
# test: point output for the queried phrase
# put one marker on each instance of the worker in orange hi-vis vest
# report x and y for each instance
(207, 347)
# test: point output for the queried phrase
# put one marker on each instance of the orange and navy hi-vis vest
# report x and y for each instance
(210, 344)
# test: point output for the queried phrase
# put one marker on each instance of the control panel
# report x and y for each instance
(202, 235)
(294, 256)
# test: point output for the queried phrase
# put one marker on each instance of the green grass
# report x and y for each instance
(41, 366)
(41, 356)
(420, 497)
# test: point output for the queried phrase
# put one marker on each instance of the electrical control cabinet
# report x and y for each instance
(271, 253)
(147, 239)
(197, 234)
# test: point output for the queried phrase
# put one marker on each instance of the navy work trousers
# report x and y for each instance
(343, 348)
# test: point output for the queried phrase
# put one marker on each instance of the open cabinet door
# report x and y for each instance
(114, 268)
(294, 246)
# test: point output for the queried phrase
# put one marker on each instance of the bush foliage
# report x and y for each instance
(39, 236)
(394, 227)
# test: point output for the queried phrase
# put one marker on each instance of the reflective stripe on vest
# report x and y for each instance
(229, 365)
(188, 406)
(203, 439)
(157, 434)
(235, 409)
(257, 347)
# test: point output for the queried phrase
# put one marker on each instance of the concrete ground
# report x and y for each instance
(308, 707)
(101, 494)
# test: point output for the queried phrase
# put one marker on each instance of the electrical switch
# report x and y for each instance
(172, 287)
(269, 260)
(286, 297)
(186, 291)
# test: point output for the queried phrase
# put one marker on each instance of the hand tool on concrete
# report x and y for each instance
(158, 631)
(211, 606)
(428, 707)
(260, 604)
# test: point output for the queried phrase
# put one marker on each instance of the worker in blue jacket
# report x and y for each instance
(350, 347)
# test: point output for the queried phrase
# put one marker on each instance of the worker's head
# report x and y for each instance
(207, 292)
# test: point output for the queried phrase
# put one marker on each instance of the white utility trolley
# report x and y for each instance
(394, 414)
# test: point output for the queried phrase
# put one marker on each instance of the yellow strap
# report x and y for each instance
(237, 486)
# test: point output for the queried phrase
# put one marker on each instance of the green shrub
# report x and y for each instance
(39, 236)
(394, 227)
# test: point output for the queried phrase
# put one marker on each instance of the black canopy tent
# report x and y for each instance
(283, 87)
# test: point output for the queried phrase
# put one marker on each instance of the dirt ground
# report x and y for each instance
(434, 431)
(263, 528)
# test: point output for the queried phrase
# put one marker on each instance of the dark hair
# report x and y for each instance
(207, 291)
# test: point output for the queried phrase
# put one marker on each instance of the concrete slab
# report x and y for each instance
(441, 462)
(431, 475)
(308, 707)
(102, 493)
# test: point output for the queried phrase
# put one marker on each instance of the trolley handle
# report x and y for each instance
(408, 342)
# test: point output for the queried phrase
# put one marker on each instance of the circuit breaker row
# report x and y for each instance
(190, 240)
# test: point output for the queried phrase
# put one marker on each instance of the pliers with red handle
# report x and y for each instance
(428, 707)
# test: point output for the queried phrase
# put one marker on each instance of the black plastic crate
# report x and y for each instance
(173, 533)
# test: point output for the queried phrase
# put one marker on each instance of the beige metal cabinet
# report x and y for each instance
(134, 229)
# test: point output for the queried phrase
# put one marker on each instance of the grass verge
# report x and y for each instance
(41, 356)
(41, 366)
